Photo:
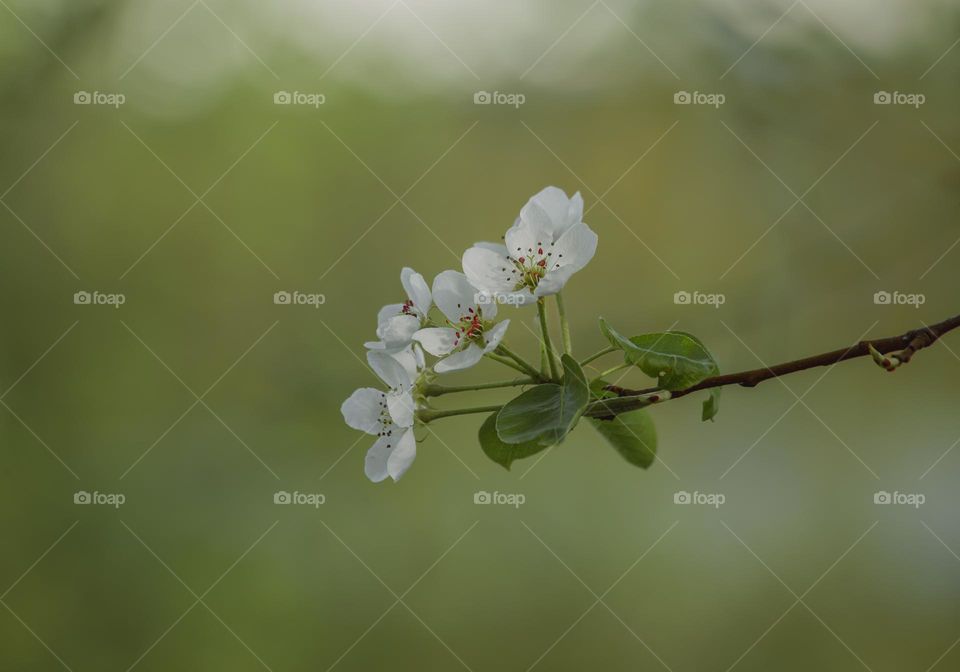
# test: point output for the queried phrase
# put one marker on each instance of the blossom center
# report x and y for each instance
(527, 267)
(469, 327)
(386, 421)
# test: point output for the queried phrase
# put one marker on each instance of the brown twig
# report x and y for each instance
(898, 349)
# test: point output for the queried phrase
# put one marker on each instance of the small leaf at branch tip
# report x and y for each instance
(878, 357)
(887, 362)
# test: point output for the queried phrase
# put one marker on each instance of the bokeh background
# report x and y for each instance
(198, 198)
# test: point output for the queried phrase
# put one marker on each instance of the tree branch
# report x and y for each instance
(897, 349)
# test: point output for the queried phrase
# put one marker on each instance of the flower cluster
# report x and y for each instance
(546, 245)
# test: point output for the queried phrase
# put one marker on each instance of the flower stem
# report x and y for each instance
(614, 369)
(525, 366)
(597, 355)
(428, 415)
(506, 362)
(439, 390)
(545, 333)
(564, 325)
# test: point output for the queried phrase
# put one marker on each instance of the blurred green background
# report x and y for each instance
(198, 198)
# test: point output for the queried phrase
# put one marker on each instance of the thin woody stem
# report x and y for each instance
(902, 348)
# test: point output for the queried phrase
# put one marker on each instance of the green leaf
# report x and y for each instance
(575, 385)
(596, 388)
(632, 434)
(546, 413)
(677, 360)
(502, 453)
(711, 405)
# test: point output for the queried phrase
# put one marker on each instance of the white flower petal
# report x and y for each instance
(460, 360)
(416, 289)
(362, 410)
(454, 295)
(438, 341)
(499, 248)
(495, 336)
(575, 209)
(375, 464)
(411, 360)
(401, 408)
(398, 330)
(418, 356)
(551, 210)
(388, 311)
(575, 248)
(402, 456)
(525, 239)
(490, 270)
(389, 370)
(534, 214)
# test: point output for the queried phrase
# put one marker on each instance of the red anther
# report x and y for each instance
(542, 263)
(522, 260)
